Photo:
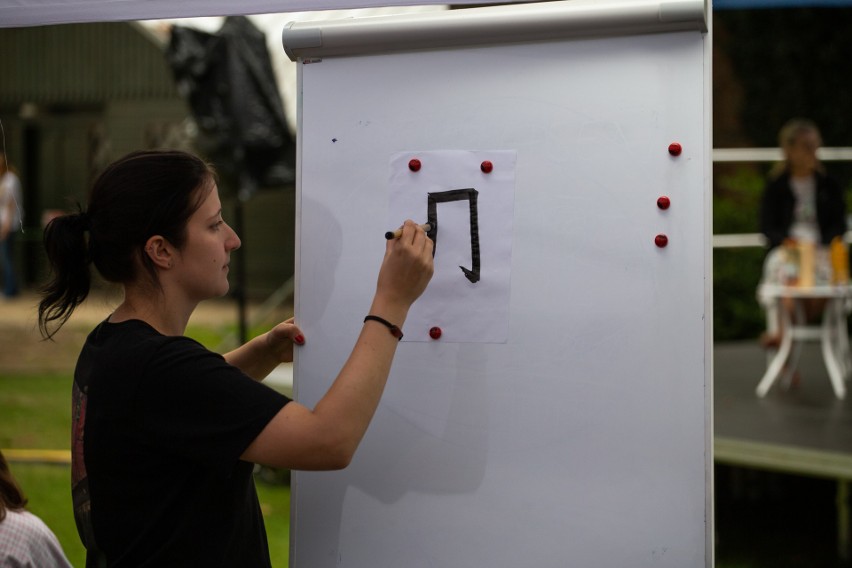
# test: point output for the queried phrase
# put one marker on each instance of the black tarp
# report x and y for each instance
(228, 81)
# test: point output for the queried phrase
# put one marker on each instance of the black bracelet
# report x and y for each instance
(394, 329)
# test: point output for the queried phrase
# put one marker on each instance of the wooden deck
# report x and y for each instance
(802, 430)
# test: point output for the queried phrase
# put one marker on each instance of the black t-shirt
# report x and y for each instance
(159, 426)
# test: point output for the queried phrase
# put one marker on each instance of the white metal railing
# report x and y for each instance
(747, 240)
(775, 155)
(744, 240)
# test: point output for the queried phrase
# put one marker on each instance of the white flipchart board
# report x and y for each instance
(570, 425)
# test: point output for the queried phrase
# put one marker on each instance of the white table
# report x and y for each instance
(831, 332)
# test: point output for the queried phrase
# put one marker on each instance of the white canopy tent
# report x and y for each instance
(154, 16)
(20, 13)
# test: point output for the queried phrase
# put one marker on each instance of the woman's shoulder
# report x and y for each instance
(137, 340)
(127, 330)
(133, 328)
(27, 540)
(22, 518)
(134, 348)
(24, 525)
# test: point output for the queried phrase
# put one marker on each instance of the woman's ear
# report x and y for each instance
(160, 251)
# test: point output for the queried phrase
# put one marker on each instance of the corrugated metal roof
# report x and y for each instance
(81, 64)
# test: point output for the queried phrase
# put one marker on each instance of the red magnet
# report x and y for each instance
(664, 202)
(675, 149)
(435, 333)
(661, 241)
(486, 167)
(414, 165)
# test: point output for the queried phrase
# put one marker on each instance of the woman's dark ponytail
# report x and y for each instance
(145, 193)
(67, 253)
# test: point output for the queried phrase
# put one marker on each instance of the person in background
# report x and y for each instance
(11, 217)
(800, 204)
(25, 541)
(165, 433)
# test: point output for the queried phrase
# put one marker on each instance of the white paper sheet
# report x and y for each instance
(472, 306)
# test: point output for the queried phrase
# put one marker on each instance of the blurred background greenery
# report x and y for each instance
(736, 271)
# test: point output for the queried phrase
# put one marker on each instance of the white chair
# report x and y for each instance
(831, 332)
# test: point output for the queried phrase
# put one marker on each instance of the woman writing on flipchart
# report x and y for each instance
(166, 433)
(800, 205)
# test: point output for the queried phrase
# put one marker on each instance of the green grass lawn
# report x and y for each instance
(35, 413)
(48, 488)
